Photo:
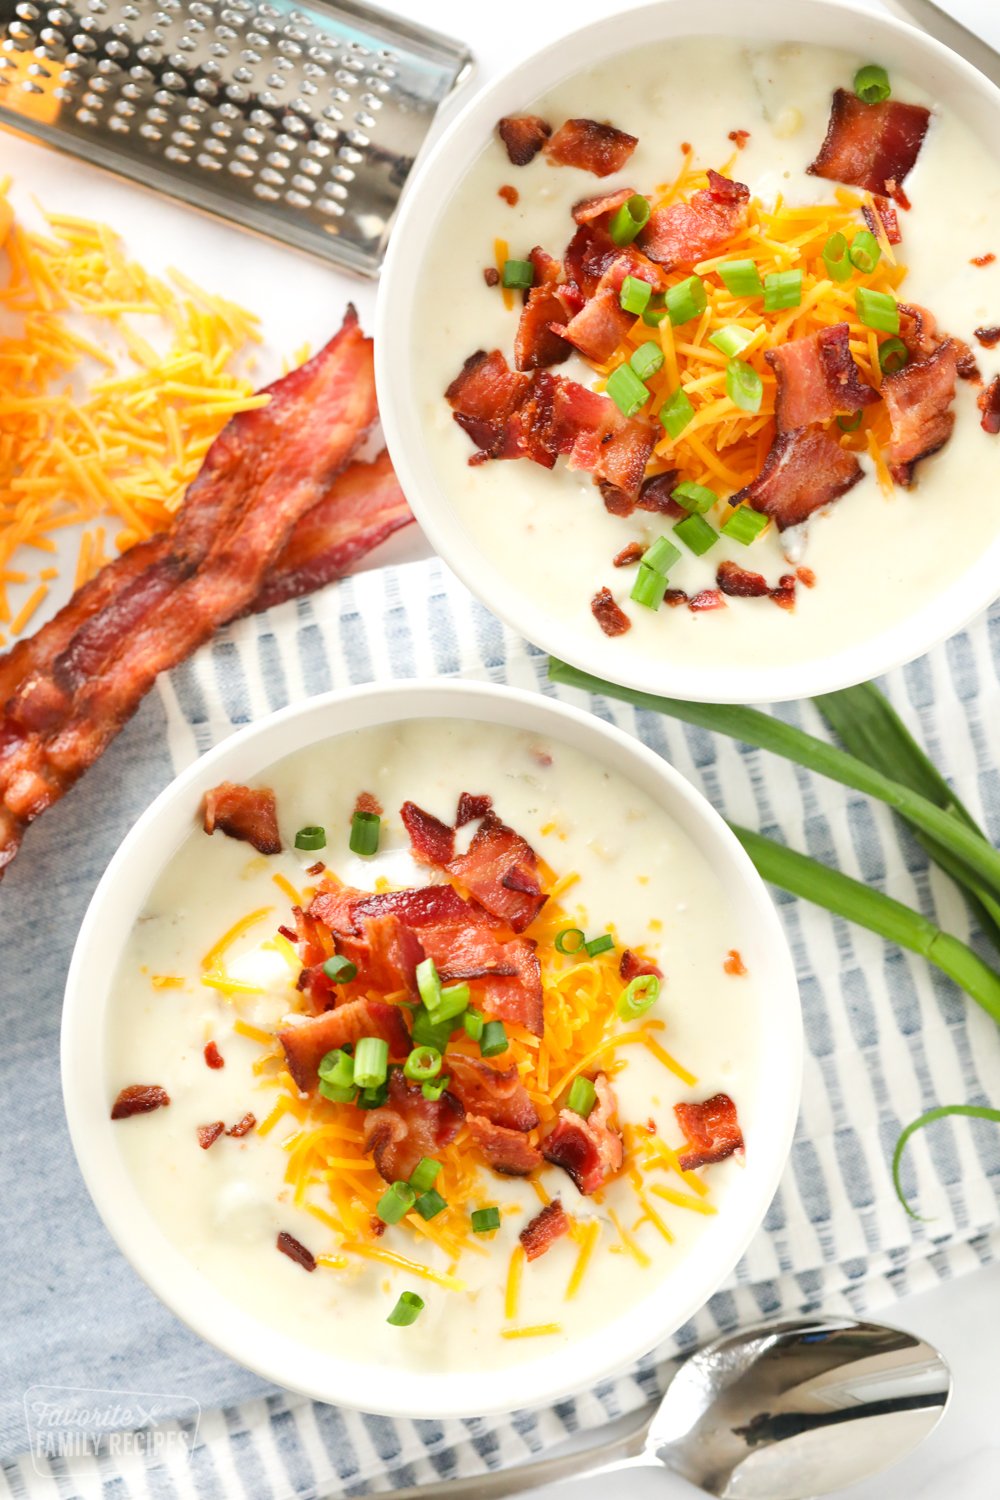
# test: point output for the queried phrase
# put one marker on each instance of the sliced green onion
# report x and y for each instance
(660, 556)
(422, 1064)
(892, 355)
(627, 221)
(371, 1062)
(337, 1067)
(782, 289)
(741, 277)
(424, 1174)
(942, 1112)
(311, 837)
(428, 1032)
(732, 339)
(365, 829)
(340, 969)
(696, 534)
(517, 273)
(676, 413)
(428, 983)
(485, 1220)
(373, 1098)
(744, 524)
(851, 423)
(647, 359)
(430, 1204)
(395, 1202)
(649, 587)
(473, 1023)
(744, 386)
(407, 1310)
(865, 252)
(337, 1093)
(570, 940)
(638, 996)
(582, 1096)
(451, 1002)
(605, 941)
(433, 1091)
(696, 498)
(626, 390)
(837, 257)
(686, 300)
(877, 310)
(655, 311)
(634, 295)
(871, 83)
(494, 1039)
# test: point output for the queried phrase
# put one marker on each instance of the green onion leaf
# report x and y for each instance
(373, 1098)
(429, 984)
(517, 273)
(626, 390)
(686, 300)
(371, 1062)
(655, 311)
(892, 356)
(782, 289)
(494, 1039)
(877, 310)
(660, 556)
(337, 1067)
(311, 837)
(429, 1033)
(647, 359)
(473, 1023)
(970, 1111)
(871, 83)
(425, 1174)
(836, 257)
(582, 1096)
(340, 969)
(365, 828)
(638, 996)
(744, 386)
(430, 1204)
(741, 277)
(634, 295)
(696, 498)
(649, 587)
(433, 1091)
(744, 524)
(395, 1203)
(865, 252)
(696, 534)
(570, 940)
(337, 1093)
(732, 339)
(604, 942)
(676, 413)
(851, 423)
(422, 1064)
(485, 1220)
(628, 220)
(407, 1310)
(451, 1002)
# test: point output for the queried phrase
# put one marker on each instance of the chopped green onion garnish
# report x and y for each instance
(429, 1204)
(629, 219)
(337, 1093)
(865, 252)
(655, 311)
(851, 423)
(425, 1174)
(676, 413)
(782, 289)
(660, 556)
(451, 1002)
(365, 829)
(473, 1023)
(433, 1091)
(395, 1202)
(647, 359)
(637, 997)
(337, 1067)
(694, 497)
(494, 1039)
(605, 941)
(732, 339)
(430, 1033)
(877, 310)
(892, 355)
(371, 1062)
(686, 300)
(429, 984)
(871, 83)
(649, 587)
(634, 295)
(744, 524)
(485, 1220)
(312, 837)
(695, 533)
(626, 390)
(570, 940)
(340, 969)
(582, 1096)
(517, 273)
(423, 1063)
(407, 1310)
(837, 257)
(373, 1098)
(744, 386)
(741, 277)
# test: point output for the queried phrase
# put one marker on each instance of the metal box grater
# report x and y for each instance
(300, 122)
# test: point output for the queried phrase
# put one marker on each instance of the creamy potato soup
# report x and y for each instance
(837, 375)
(452, 1100)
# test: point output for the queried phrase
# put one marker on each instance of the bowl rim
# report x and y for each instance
(935, 619)
(166, 1270)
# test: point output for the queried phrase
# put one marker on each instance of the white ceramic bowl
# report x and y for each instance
(822, 22)
(120, 897)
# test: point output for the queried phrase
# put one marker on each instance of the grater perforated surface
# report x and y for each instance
(301, 122)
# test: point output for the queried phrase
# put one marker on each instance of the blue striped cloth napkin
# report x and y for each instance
(887, 1037)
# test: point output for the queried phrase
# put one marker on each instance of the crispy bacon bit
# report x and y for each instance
(591, 146)
(498, 1095)
(213, 1056)
(628, 555)
(965, 363)
(544, 1229)
(733, 962)
(243, 812)
(290, 1246)
(612, 620)
(739, 138)
(804, 470)
(377, 1226)
(739, 582)
(983, 260)
(484, 395)
(244, 1126)
(433, 842)
(308, 1042)
(523, 136)
(989, 335)
(589, 209)
(536, 345)
(367, 802)
(408, 1127)
(630, 966)
(595, 436)
(989, 404)
(817, 378)
(706, 599)
(918, 330)
(500, 870)
(209, 1134)
(918, 399)
(471, 807)
(712, 1131)
(686, 233)
(139, 1099)
(346, 910)
(656, 494)
(784, 594)
(591, 1149)
(871, 146)
(806, 577)
(601, 324)
(506, 1151)
(509, 194)
(491, 276)
(882, 219)
(316, 869)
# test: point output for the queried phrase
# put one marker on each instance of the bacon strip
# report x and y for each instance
(686, 233)
(500, 869)
(591, 146)
(804, 470)
(307, 1043)
(496, 1094)
(506, 1151)
(523, 137)
(712, 1130)
(544, 1229)
(871, 146)
(817, 378)
(472, 806)
(988, 402)
(139, 1099)
(432, 841)
(408, 1127)
(244, 812)
(536, 343)
(591, 1150)
(918, 399)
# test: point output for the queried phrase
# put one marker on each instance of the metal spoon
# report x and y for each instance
(777, 1411)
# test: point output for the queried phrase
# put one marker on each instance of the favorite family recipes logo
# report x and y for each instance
(77, 1426)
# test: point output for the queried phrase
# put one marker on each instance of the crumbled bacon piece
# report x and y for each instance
(628, 555)
(243, 812)
(316, 869)
(983, 260)
(804, 470)
(989, 335)
(871, 146)
(989, 404)
(590, 1150)
(589, 209)
(367, 802)
(472, 806)
(139, 1099)
(517, 997)
(544, 1229)
(433, 842)
(243, 1127)
(706, 599)
(595, 436)
(806, 577)
(209, 1134)
(733, 962)
(966, 367)
(712, 1131)
(612, 620)
(588, 255)
(784, 594)
(630, 966)
(817, 378)
(601, 324)
(536, 344)
(686, 233)
(591, 146)
(408, 1127)
(491, 276)
(500, 869)
(739, 582)
(307, 1043)
(483, 395)
(656, 494)
(918, 399)
(739, 138)
(523, 137)
(498, 1095)
(213, 1056)
(882, 216)
(290, 1246)
(509, 194)
(506, 1151)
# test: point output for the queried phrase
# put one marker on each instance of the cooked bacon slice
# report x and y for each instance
(544, 1229)
(433, 842)
(989, 404)
(483, 395)
(295, 1250)
(630, 966)
(595, 436)
(209, 1134)
(589, 209)
(740, 583)
(804, 470)
(871, 146)
(496, 1094)
(882, 216)
(918, 399)
(523, 137)
(536, 343)
(408, 1127)
(472, 806)
(500, 869)
(530, 430)
(506, 1151)
(307, 1043)
(345, 910)
(591, 146)
(601, 324)
(213, 1056)
(588, 255)
(139, 1099)
(686, 233)
(517, 997)
(612, 619)
(817, 378)
(590, 1150)
(712, 1130)
(244, 812)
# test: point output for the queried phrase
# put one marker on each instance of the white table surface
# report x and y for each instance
(300, 300)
